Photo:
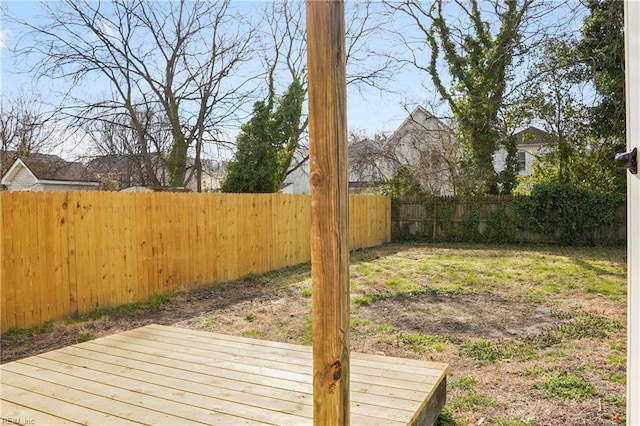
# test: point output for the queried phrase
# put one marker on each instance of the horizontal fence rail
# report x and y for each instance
(65, 254)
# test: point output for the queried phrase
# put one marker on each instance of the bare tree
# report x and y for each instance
(123, 159)
(423, 145)
(26, 127)
(470, 50)
(368, 160)
(284, 55)
(181, 58)
(427, 145)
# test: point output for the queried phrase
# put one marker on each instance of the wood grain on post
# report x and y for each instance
(329, 211)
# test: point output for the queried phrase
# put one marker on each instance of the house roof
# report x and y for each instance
(114, 163)
(531, 136)
(52, 167)
(414, 120)
(47, 167)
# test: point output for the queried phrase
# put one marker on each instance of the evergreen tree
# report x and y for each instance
(267, 143)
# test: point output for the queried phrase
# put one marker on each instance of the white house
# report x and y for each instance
(425, 144)
(43, 172)
(531, 143)
(297, 182)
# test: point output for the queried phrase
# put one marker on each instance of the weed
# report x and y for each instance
(355, 322)
(616, 359)
(153, 302)
(566, 386)
(464, 383)
(469, 398)
(364, 269)
(535, 371)
(411, 288)
(250, 318)
(585, 325)
(306, 292)
(17, 334)
(546, 339)
(85, 337)
(446, 418)
(581, 325)
(484, 350)
(387, 328)
(561, 352)
(365, 300)
(209, 323)
(614, 400)
(421, 343)
(93, 316)
(617, 378)
(395, 282)
(252, 333)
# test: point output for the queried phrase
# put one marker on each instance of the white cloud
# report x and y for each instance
(4, 35)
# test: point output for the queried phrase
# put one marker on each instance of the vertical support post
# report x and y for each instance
(329, 210)
(632, 86)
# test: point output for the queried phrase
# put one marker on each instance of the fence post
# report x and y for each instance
(329, 211)
(435, 221)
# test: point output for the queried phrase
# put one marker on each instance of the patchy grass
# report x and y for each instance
(18, 334)
(421, 343)
(466, 397)
(482, 349)
(533, 335)
(566, 386)
(363, 300)
(153, 302)
(85, 337)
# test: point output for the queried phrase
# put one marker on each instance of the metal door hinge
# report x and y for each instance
(628, 160)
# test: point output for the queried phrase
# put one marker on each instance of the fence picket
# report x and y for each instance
(65, 254)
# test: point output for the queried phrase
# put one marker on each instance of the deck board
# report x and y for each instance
(168, 375)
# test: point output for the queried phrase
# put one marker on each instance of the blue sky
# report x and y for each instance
(369, 110)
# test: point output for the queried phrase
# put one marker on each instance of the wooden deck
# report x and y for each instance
(159, 375)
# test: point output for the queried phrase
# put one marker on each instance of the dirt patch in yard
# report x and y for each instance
(463, 316)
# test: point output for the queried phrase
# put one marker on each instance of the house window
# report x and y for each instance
(522, 160)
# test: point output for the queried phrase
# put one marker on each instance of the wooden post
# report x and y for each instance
(329, 211)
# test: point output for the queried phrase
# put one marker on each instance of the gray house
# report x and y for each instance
(45, 172)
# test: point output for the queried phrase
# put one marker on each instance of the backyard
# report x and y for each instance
(534, 335)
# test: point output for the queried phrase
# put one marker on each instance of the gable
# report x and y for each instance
(20, 171)
(19, 178)
(419, 119)
(531, 136)
(48, 173)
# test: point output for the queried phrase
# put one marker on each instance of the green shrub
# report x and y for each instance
(553, 211)
(572, 211)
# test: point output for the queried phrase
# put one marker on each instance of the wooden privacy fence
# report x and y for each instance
(66, 254)
(487, 220)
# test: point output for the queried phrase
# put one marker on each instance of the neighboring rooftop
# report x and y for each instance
(52, 167)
